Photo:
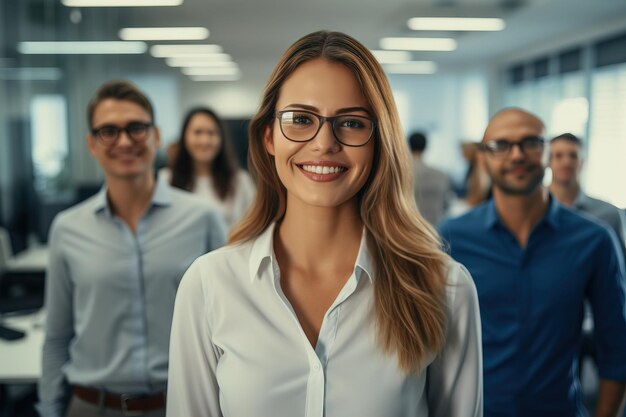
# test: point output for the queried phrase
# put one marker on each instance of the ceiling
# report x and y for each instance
(256, 32)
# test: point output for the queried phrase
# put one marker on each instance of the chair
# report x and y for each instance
(6, 249)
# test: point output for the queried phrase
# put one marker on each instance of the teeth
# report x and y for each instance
(318, 169)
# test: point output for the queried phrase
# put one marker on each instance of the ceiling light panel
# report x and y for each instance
(456, 24)
(198, 62)
(82, 47)
(388, 57)
(164, 34)
(413, 67)
(418, 44)
(210, 71)
(121, 3)
(169, 51)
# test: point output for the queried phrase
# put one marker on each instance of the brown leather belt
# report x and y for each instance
(130, 404)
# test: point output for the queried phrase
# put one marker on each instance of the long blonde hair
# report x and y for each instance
(410, 268)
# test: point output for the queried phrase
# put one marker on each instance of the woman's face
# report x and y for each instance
(202, 138)
(321, 172)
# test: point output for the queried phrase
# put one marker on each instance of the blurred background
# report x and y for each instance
(565, 60)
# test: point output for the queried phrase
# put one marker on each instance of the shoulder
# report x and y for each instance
(223, 267)
(467, 221)
(191, 202)
(460, 288)
(76, 215)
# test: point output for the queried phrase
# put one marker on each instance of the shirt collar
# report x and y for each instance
(581, 200)
(162, 196)
(263, 248)
(551, 217)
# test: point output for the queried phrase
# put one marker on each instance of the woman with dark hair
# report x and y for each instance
(205, 165)
(334, 298)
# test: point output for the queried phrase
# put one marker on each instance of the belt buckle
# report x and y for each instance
(124, 398)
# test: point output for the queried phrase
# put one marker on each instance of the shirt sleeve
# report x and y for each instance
(455, 381)
(192, 384)
(52, 387)
(607, 296)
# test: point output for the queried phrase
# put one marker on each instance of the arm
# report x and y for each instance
(610, 398)
(192, 388)
(607, 296)
(216, 230)
(455, 382)
(53, 389)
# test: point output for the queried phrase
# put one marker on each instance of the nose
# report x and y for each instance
(516, 152)
(124, 139)
(325, 141)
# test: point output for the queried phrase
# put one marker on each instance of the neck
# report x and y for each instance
(565, 193)
(520, 213)
(202, 169)
(130, 198)
(319, 238)
(417, 156)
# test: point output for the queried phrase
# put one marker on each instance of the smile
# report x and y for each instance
(318, 169)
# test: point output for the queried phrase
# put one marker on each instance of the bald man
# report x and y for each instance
(535, 263)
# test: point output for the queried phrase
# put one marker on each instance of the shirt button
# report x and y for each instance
(317, 367)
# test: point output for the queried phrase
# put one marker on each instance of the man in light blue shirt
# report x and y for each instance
(115, 264)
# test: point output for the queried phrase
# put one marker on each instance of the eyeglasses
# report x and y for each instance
(109, 134)
(303, 126)
(530, 145)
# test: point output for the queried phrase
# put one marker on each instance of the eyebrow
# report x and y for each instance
(342, 110)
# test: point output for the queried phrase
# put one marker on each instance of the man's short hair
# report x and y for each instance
(569, 137)
(119, 90)
(417, 141)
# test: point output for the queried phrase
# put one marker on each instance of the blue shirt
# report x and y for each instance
(531, 306)
(110, 292)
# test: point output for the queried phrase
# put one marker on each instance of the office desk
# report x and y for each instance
(32, 259)
(20, 360)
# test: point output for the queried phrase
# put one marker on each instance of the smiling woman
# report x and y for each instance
(333, 279)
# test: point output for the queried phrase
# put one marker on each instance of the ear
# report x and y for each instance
(268, 140)
(157, 137)
(91, 144)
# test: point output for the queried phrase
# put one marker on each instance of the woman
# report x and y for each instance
(334, 298)
(204, 164)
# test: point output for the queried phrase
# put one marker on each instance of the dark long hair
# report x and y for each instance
(223, 168)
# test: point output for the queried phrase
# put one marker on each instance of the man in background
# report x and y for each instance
(566, 163)
(432, 188)
(115, 263)
(535, 263)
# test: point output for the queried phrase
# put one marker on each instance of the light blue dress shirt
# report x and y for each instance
(110, 292)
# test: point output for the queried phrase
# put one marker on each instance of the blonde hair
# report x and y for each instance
(410, 268)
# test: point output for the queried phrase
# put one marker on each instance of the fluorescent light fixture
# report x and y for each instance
(169, 51)
(456, 23)
(30, 74)
(82, 47)
(419, 44)
(389, 57)
(210, 71)
(412, 67)
(121, 3)
(214, 77)
(199, 62)
(164, 34)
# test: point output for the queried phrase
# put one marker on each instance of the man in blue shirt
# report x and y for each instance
(534, 263)
(115, 264)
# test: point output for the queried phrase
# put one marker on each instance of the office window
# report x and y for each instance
(49, 142)
(606, 167)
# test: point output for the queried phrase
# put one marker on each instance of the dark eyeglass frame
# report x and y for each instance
(524, 145)
(97, 133)
(322, 120)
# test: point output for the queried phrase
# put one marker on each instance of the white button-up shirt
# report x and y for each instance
(238, 350)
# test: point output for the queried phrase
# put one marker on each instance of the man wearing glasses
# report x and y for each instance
(534, 263)
(115, 264)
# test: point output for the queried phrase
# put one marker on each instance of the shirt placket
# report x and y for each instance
(317, 358)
